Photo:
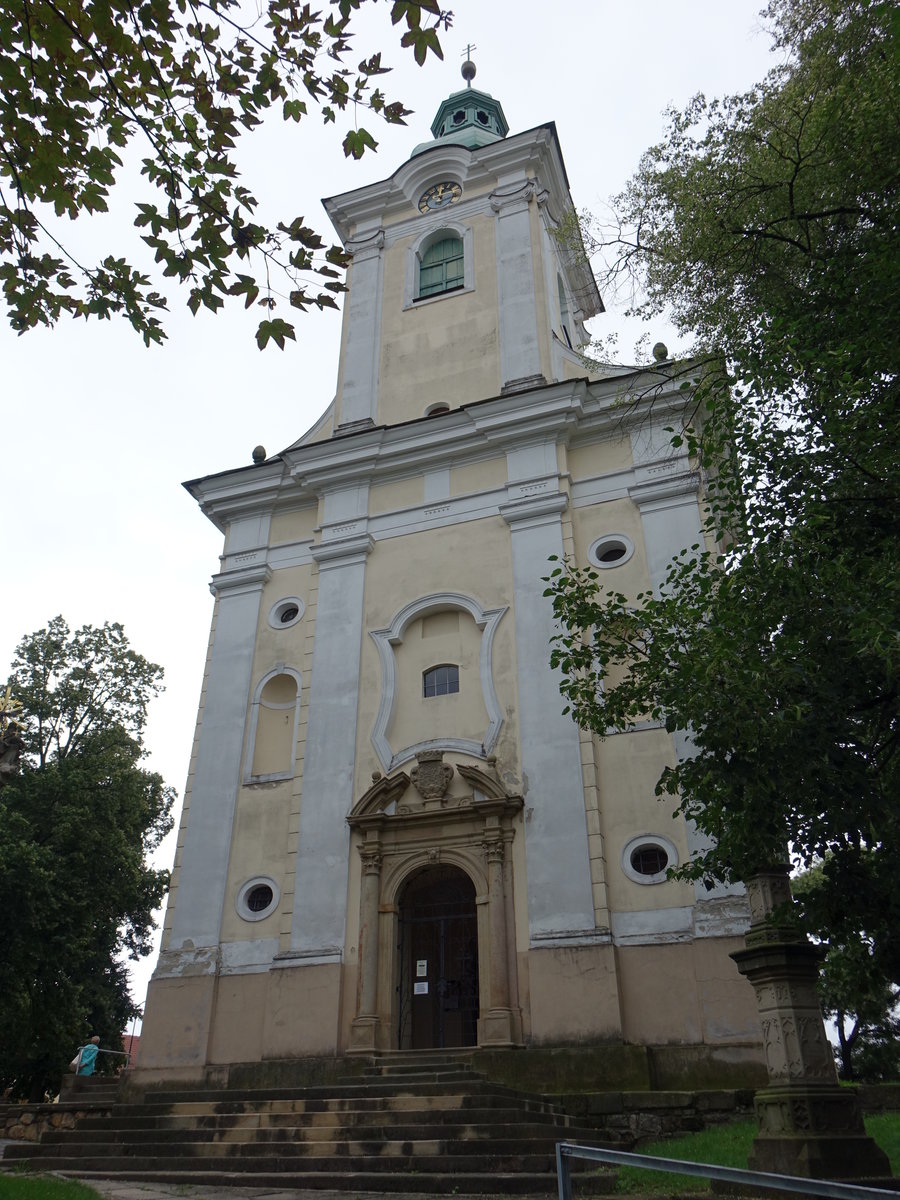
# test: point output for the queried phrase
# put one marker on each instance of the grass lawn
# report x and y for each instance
(728, 1146)
(24, 1187)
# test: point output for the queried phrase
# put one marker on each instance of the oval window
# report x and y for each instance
(611, 550)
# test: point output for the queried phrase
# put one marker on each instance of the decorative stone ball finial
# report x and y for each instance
(660, 352)
(259, 454)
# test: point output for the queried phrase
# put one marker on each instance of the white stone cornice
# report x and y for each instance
(665, 489)
(569, 411)
(342, 551)
(535, 509)
(512, 199)
(368, 245)
(242, 580)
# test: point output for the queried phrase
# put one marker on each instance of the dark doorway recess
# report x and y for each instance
(438, 951)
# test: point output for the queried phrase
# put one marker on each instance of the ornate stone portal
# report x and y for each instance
(808, 1124)
(408, 823)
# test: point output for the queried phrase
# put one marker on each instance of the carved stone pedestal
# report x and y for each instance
(808, 1124)
(363, 1036)
(499, 1027)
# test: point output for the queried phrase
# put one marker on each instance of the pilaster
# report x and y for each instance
(520, 357)
(359, 393)
(560, 900)
(323, 848)
(207, 844)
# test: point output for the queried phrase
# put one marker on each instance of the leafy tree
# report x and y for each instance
(76, 826)
(81, 79)
(854, 993)
(766, 224)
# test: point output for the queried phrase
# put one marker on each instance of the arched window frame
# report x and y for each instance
(272, 776)
(487, 620)
(455, 229)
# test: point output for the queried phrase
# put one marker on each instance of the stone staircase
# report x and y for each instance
(411, 1122)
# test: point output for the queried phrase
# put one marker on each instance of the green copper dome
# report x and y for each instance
(468, 118)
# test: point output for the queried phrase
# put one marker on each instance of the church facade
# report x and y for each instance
(392, 838)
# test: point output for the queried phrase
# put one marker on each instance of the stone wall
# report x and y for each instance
(26, 1122)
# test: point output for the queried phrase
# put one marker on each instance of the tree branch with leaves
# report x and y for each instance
(80, 80)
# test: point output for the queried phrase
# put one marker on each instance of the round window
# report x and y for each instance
(257, 898)
(260, 897)
(611, 550)
(647, 858)
(286, 612)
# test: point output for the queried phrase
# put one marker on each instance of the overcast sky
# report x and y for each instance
(99, 432)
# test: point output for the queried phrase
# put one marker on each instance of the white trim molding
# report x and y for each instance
(385, 639)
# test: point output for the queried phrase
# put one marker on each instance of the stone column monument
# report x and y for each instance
(808, 1124)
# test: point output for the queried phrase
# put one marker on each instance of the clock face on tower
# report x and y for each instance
(439, 195)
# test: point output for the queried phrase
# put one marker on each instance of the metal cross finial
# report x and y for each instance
(468, 67)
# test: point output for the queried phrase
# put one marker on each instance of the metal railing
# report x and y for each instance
(565, 1151)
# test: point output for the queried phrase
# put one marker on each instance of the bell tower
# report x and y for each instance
(459, 287)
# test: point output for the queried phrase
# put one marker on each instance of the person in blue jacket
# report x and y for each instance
(86, 1058)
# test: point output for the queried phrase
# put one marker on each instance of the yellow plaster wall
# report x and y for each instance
(451, 637)
(302, 1014)
(482, 476)
(613, 516)
(294, 525)
(685, 992)
(261, 824)
(628, 766)
(405, 568)
(572, 994)
(443, 350)
(398, 493)
(600, 458)
(177, 1018)
(234, 1037)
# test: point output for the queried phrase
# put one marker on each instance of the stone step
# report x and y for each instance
(360, 1087)
(407, 1075)
(328, 1118)
(454, 1103)
(323, 1135)
(285, 1161)
(429, 1182)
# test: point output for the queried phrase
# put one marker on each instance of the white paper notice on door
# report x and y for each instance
(420, 988)
(421, 967)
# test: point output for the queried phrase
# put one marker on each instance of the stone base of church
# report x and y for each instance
(669, 1016)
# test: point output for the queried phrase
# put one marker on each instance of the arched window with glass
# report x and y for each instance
(442, 267)
(442, 680)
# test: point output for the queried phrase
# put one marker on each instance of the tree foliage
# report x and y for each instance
(766, 225)
(862, 1002)
(77, 824)
(80, 80)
